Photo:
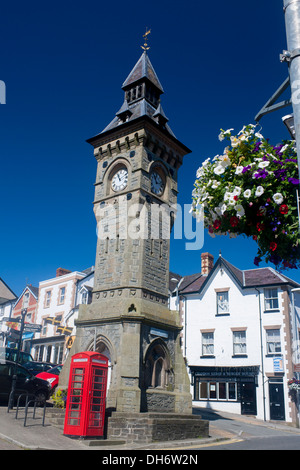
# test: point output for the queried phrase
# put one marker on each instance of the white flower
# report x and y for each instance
(239, 170)
(239, 210)
(200, 172)
(219, 170)
(258, 135)
(278, 198)
(206, 162)
(223, 208)
(259, 191)
(263, 164)
(235, 141)
(223, 133)
(247, 193)
(237, 191)
(215, 184)
(224, 160)
(227, 196)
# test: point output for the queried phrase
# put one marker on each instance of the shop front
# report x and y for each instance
(231, 389)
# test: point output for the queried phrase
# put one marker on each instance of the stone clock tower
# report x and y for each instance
(129, 320)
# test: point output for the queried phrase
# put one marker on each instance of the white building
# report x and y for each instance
(240, 330)
(84, 289)
(55, 302)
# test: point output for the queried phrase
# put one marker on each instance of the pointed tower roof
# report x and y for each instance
(143, 69)
(142, 97)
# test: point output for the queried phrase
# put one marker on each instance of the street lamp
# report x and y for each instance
(288, 121)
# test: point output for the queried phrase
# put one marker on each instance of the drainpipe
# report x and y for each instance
(262, 354)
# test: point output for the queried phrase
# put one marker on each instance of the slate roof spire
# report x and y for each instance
(142, 70)
(142, 90)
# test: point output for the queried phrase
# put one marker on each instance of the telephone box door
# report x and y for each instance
(76, 403)
(96, 412)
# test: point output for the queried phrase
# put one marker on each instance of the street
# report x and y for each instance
(227, 432)
(247, 434)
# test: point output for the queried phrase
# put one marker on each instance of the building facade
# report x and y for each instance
(55, 302)
(240, 339)
(27, 300)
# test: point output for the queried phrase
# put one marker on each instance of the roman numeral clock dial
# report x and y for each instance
(120, 180)
(157, 184)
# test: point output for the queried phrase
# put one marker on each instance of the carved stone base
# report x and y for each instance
(145, 428)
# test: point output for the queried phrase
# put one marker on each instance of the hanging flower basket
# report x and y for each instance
(294, 384)
(250, 190)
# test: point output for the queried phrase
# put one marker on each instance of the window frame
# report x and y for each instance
(271, 299)
(269, 342)
(225, 293)
(206, 386)
(206, 345)
(238, 343)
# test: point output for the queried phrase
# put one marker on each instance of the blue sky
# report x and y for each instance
(64, 63)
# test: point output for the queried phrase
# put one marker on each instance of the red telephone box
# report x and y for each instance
(85, 407)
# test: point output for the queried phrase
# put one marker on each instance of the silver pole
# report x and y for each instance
(292, 56)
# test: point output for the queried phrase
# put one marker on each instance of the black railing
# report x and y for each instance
(34, 400)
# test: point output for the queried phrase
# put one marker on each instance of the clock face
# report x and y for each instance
(157, 184)
(120, 179)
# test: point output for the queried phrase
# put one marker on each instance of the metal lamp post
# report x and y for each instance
(14, 378)
(292, 57)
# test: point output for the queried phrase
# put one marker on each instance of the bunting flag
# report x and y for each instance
(52, 321)
(64, 330)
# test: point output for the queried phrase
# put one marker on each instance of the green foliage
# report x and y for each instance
(59, 398)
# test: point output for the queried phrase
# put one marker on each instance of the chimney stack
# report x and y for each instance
(61, 272)
(207, 263)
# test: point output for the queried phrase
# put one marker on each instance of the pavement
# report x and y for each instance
(35, 436)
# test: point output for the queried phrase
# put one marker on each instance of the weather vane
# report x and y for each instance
(145, 36)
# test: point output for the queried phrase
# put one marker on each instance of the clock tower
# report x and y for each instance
(138, 158)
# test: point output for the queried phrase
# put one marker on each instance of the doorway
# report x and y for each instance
(248, 398)
(276, 401)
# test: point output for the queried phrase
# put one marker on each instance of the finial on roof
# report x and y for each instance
(220, 254)
(145, 36)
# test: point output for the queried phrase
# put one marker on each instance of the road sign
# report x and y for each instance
(14, 335)
(32, 327)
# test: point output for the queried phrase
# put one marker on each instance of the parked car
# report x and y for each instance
(51, 375)
(26, 382)
(11, 355)
(35, 367)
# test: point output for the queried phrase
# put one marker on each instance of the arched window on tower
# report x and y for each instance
(157, 366)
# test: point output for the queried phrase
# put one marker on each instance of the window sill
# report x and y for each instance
(239, 355)
(208, 356)
(275, 310)
(277, 354)
(222, 314)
